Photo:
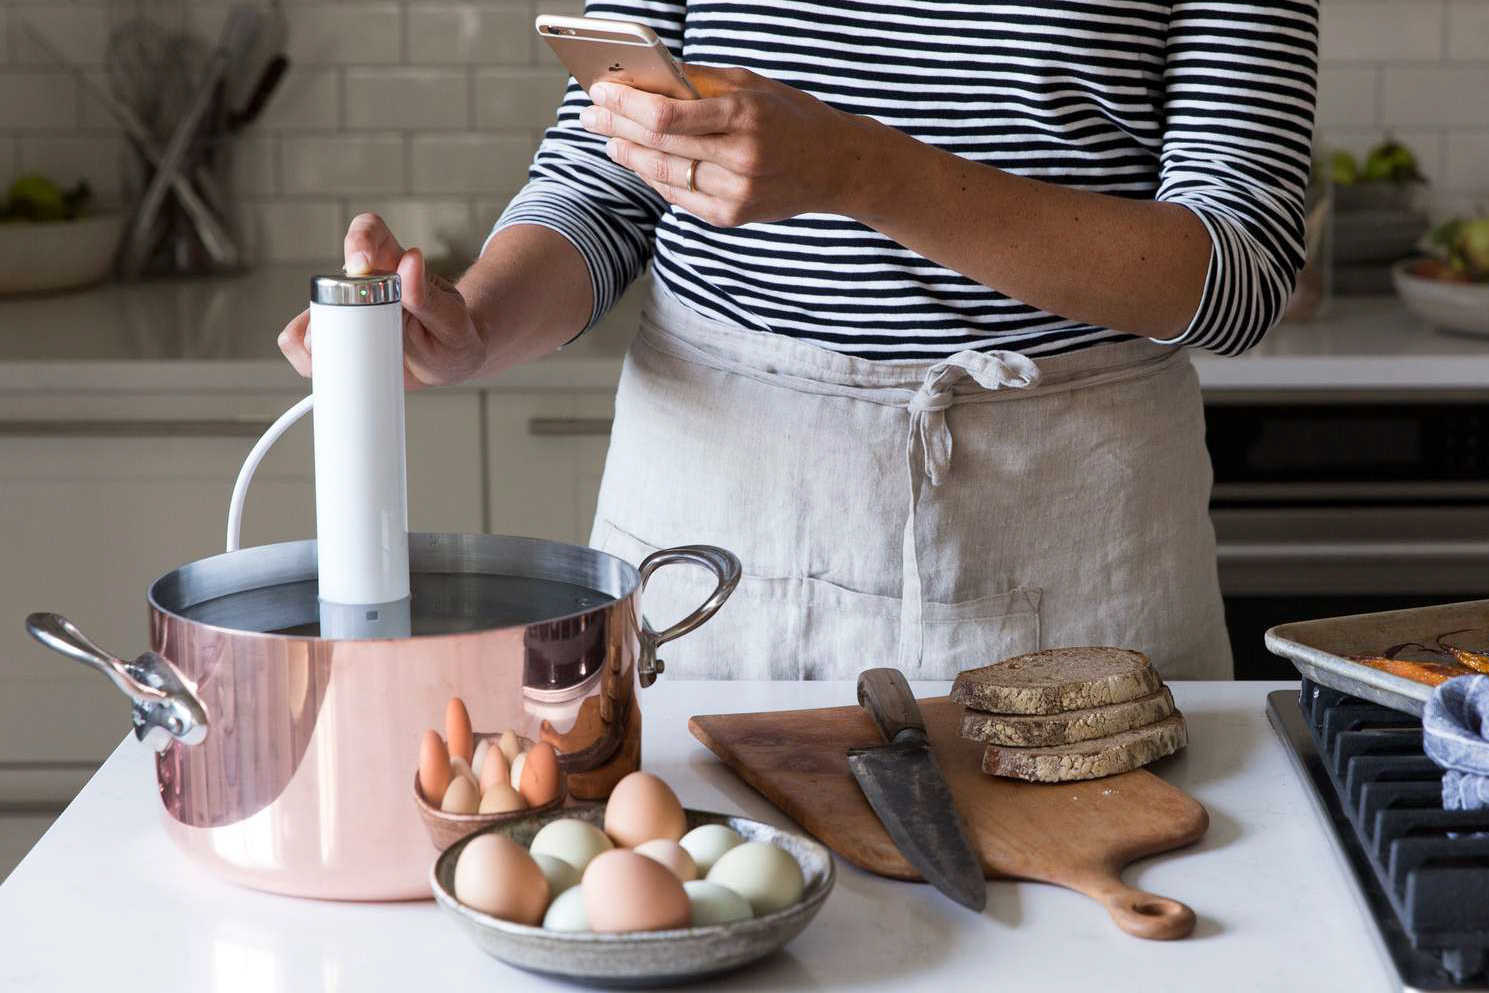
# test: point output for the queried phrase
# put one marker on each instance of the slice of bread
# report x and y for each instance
(1057, 680)
(1120, 752)
(1025, 730)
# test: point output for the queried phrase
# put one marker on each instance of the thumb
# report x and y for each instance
(430, 298)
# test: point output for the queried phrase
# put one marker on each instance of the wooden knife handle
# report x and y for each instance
(886, 695)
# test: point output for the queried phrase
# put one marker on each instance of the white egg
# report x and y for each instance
(707, 842)
(560, 874)
(767, 876)
(515, 776)
(715, 904)
(574, 841)
(478, 760)
(566, 912)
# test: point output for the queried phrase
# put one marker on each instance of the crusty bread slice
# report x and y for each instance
(1025, 730)
(1120, 752)
(1057, 680)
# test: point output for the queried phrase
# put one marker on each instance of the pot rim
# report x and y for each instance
(285, 562)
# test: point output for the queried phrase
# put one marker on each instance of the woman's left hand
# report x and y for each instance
(765, 150)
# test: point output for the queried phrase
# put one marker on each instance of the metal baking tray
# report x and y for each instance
(1317, 649)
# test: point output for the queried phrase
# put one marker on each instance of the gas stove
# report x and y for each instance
(1422, 872)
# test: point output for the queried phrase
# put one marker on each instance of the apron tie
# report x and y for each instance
(928, 428)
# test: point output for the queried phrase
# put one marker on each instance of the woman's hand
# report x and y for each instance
(765, 150)
(441, 344)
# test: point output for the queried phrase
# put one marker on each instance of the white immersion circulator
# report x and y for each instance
(361, 479)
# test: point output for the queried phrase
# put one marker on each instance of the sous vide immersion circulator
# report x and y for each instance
(361, 488)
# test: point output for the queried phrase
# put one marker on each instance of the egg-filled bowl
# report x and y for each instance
(446, 828)
(638, 958)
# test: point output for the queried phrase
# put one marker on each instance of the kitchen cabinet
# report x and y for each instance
(545, 455)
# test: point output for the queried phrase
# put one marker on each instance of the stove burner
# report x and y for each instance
(1423, 871)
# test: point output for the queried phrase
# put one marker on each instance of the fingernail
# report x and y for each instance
(611, 148)
(358, 264)
(588, 118)
(599, 93)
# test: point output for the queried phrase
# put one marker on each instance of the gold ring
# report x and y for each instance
(692, 175)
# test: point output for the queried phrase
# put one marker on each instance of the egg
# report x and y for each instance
(561, 875)
(514, 771)
(461, 797)
(767, 876)
(625, 892)
(576, 842)
(478, 758)
(501, 799)
(494, 769)
(434, 767)
(460, 769)
(566, 912)
(457, 730)
(495, 876)
(715, 904)
(510, 745)
(707, 842)
(642, 807)
(539, 783)
(670, 854)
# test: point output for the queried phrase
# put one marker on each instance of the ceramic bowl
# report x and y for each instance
(37, 256)
(646, 958)
(1454, 306)
(445, 828)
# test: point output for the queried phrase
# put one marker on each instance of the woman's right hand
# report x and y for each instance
(441, 344)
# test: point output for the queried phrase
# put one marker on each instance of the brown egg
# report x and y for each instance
(457, 730)
(501, 799)
(642, 807)
(461, 797)
(624, 891)
(510, 745)
(496, 876)
(540, 775)
(672, 855)
(434, 767)
(494, 769)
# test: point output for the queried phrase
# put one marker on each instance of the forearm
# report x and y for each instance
(529, 293)
(1131, 265)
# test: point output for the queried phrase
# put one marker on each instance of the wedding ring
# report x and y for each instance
(692, 175)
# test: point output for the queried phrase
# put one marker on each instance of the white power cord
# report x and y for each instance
(251, 464)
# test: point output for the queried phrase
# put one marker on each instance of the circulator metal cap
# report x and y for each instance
(338, 289)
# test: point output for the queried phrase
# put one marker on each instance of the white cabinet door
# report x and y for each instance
(100, 496)
(545, 454)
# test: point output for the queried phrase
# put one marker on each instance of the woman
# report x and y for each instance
(925, 276)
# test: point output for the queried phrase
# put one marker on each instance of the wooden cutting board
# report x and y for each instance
(1077, 835)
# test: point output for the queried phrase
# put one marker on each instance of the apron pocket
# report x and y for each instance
(804, 628)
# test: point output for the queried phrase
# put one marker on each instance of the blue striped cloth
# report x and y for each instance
(1455, 735)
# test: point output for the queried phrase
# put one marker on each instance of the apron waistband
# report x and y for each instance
(925, 390)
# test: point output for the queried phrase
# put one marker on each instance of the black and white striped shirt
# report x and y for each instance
(1205, 103)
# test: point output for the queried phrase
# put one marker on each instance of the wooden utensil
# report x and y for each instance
(1076, 835)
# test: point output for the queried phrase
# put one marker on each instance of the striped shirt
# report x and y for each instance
(1204, 103)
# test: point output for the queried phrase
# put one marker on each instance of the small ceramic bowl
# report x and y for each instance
(1462, 307)
(445, 829)
(643, 958)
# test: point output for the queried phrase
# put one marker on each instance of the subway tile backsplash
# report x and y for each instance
(427, 111)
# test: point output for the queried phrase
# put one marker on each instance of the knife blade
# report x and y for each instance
(905, 787)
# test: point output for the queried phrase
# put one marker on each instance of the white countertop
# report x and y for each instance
(219, 333)
(104, 902)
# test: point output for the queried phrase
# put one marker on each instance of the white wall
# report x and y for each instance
(427, 111)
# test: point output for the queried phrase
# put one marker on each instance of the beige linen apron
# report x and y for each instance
(929, 515)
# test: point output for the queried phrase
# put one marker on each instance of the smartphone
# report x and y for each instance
(594, 49)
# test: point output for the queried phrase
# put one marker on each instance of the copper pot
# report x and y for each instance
(284, 758)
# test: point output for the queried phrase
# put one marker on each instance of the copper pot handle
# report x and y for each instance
(726, 569)
(165, 708)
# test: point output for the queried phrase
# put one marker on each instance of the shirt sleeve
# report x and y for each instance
(603, 209)
(1240, 81)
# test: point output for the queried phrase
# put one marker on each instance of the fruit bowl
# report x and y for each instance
(1453, 306)
(38, 256)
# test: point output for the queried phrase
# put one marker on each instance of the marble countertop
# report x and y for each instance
(219, 333)
(104, 898)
